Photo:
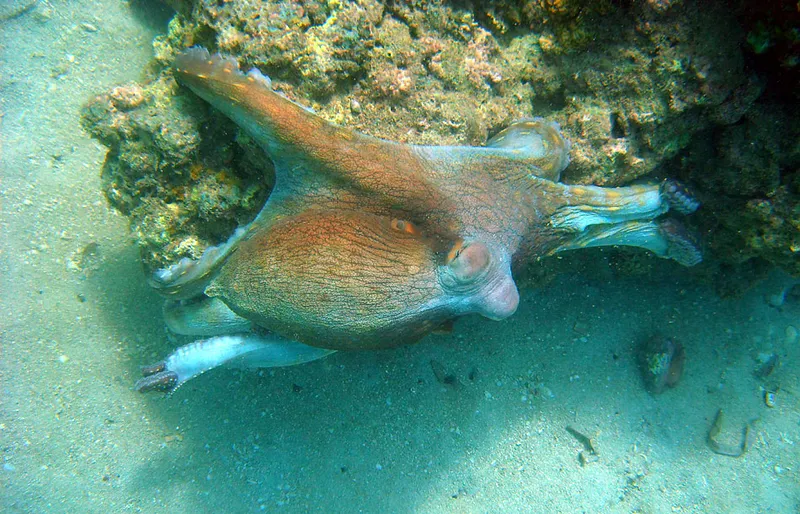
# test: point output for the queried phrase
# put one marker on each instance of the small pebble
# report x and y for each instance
(9, 467)
(791, 334)
(776, 300)
(769, 399)
(767, 362)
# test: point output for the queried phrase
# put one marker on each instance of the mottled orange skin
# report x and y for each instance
(467, 192)
(351, 280)
(366, 243)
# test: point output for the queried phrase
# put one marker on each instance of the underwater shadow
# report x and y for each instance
(410, 427)
(114, 284)
(155, 15)
(346, 423)
(264, 434)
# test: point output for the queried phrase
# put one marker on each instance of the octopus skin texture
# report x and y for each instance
(366, 243)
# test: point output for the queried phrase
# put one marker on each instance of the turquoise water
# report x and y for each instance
(355, 432)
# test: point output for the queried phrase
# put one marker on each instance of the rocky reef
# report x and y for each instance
(175, 168)
(642, 89)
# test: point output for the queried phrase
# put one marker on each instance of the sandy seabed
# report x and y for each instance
(360, 432)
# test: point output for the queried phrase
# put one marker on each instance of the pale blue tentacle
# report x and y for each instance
(245, 350)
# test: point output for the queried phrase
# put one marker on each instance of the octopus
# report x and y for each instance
(365, 243)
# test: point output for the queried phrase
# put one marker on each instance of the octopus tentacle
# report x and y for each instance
(682, 245)
(188, 278)
(678, 196)
(665, 238)
(584, 206)
(204, 317)
(247, 350)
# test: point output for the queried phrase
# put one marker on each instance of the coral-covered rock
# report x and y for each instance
(174, 168)
(640, 88)
(750, 176)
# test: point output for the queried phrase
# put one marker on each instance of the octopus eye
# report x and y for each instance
(454, 252)
(404, 226)
(468, 262)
